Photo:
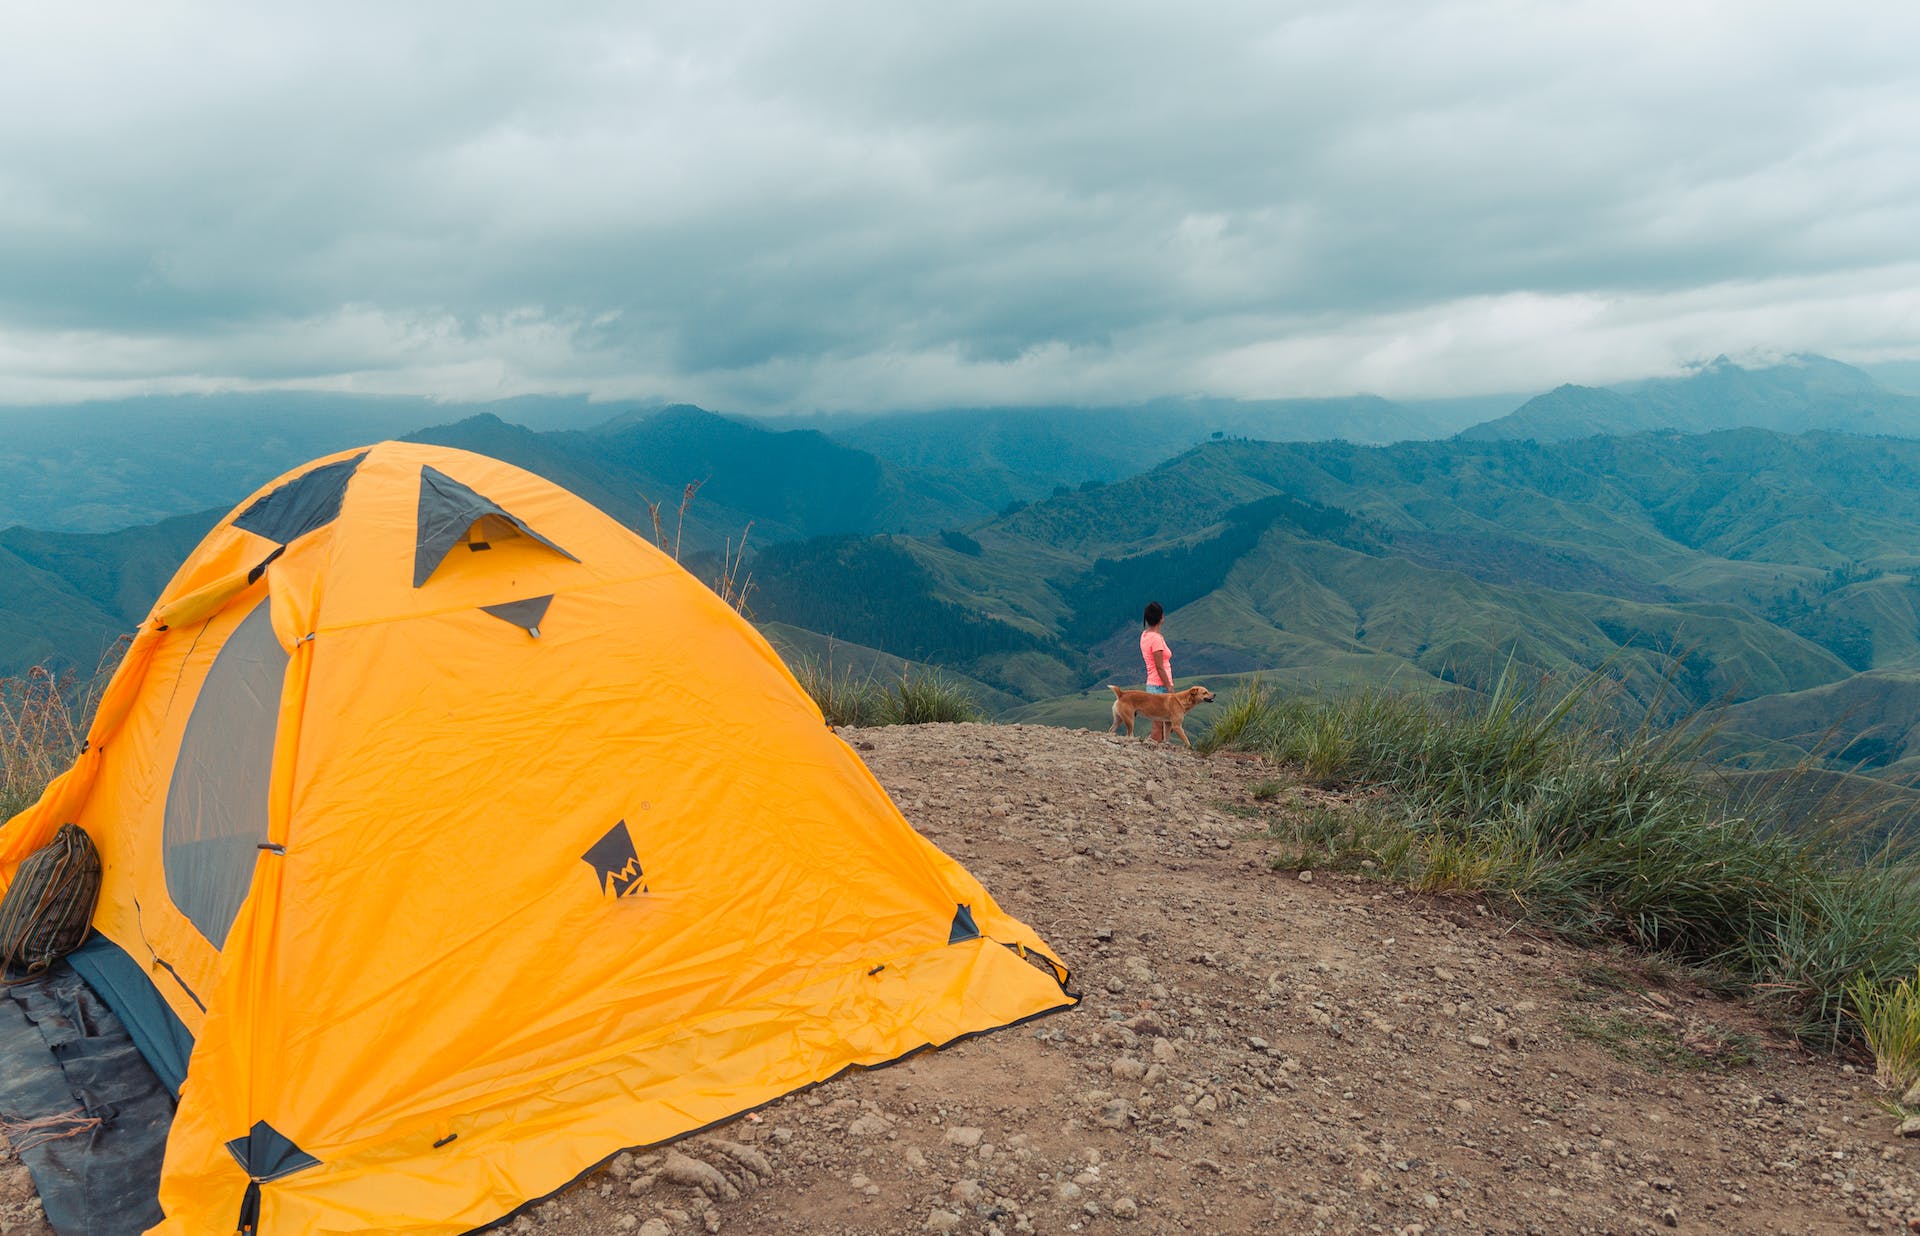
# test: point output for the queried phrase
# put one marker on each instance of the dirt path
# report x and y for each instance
(1261, 1051)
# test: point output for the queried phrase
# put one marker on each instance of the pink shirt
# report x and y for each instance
(1150, 643)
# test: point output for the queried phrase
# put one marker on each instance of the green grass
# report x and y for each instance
(1659, 1047)
(1889, 1018)
(1539, 797)
(921, 696)
(843, 697)
(916, 697)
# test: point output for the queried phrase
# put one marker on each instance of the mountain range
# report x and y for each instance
(1771, 569)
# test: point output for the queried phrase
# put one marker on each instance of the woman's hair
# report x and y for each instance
(1154, 613)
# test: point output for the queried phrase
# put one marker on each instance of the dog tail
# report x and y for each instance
(1114, 689)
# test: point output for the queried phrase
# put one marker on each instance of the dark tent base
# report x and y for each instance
(84, 1111)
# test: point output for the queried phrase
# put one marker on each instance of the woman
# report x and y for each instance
(1159, 659)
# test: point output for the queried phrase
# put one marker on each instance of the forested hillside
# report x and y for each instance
(1700, 569)
(1771, 571)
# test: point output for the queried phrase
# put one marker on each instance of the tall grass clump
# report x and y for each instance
(1607, 833)
(925, 695)
(844, 699)
(1889, 1017)
(916, 697)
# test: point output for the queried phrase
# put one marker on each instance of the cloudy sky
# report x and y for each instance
(772, 206)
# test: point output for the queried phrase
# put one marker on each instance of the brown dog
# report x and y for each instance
(1171, 708)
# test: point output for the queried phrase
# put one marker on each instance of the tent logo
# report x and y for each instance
(616, 862)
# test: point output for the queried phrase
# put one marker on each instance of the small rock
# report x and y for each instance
(964, 1135)
(682, 1170)
(1463, 1106)
(868, 1125)
(756, 1164)
(1670, 1217)
(1306, 877)
(1067, 1191)
(1114, 1114)
(1910, 1127)
(1480, 1041)
(1126, 1208)
(1912, 1097)
(1257, 1043)
(622, 1166)
(656, 1227)
(626, 1223)
(940, 1221)
(967, 1192)
(1126, 1068)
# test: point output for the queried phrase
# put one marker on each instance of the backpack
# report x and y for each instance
(48, 909)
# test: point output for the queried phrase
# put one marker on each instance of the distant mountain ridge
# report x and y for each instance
(64, 596)
(1016, 547)
(95, 467)
(1020, 453)
(1804, 393)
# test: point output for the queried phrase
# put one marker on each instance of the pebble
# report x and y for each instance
(964, 1135)
(1910, 1127)
(1306, 877)
(1126, 1208)
(941, 1221)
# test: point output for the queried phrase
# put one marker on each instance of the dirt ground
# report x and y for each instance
(1264, 1050)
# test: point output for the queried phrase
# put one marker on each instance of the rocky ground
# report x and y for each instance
(1265, 1049)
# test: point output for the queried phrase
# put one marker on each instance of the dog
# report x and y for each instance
(1171, 708)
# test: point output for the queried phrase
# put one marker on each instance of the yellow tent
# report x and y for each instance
(456, 838)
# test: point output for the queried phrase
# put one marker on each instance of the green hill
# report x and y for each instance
(1700, 568)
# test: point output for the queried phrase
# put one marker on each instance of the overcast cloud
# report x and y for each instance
(770, 207)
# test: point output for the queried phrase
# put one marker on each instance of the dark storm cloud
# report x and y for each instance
(861, 205)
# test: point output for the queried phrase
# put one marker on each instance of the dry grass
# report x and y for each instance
(44, 715)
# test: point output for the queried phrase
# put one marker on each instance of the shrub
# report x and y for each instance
(960, 543)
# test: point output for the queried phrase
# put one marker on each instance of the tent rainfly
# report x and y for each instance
(455, 838)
